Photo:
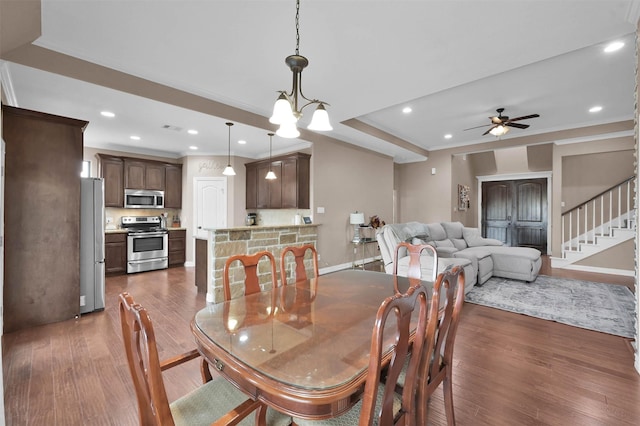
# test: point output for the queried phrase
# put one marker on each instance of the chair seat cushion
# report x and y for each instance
(352, 416)
(214, 399)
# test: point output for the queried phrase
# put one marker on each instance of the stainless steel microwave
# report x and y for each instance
(143, 199)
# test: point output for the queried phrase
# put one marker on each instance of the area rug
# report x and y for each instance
(595, 306)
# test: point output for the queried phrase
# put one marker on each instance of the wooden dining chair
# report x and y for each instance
(217, 402)
(436, 364)
(414, 252)
(250, 264)
(299, 253)
(380, 404)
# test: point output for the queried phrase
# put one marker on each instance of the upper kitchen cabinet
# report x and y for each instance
(173, 186)
(111, 169)
(140, 174)
(289, 191)
(120, 173)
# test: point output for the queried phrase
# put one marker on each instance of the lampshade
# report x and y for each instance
(320, 120)
(499, 130)
(356, 218)
(270, 175)
(288, 130)
(228, 171)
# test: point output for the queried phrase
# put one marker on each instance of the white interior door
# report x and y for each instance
(210, 204)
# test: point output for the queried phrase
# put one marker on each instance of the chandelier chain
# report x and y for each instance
(297, 27)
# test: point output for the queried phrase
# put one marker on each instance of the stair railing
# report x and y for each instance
(611, 209)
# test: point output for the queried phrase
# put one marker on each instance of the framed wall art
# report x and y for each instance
(464, 201)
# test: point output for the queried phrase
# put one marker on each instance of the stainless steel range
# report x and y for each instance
(147, 243)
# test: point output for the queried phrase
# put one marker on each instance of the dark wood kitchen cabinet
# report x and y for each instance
(111, 169)
(41, 217)
(289, 191)
(173, 186)
(140, 174)
(115, 253)
(177, 246)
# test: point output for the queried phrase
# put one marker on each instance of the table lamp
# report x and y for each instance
(356, 219)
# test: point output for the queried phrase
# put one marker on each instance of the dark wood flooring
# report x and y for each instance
(509, 369)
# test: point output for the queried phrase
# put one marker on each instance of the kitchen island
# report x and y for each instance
(225, 242)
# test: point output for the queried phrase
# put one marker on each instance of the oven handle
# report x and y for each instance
(138, 262)
(148, 234)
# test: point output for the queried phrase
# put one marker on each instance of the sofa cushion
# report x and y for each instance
(453, 229)
(459, 243)
(436, 232)
(474, 239)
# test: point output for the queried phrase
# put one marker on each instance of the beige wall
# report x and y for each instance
(346, 179)
(562, 152)
(587, 175)
(619, 257)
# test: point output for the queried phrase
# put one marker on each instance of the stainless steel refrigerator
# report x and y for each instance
(91, 245)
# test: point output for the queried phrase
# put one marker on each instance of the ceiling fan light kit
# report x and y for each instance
(285, 111)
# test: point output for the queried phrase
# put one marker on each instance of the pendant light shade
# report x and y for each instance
(288, 130)
(270, 175)
(499, 130)
(320, 120)
(228, 171)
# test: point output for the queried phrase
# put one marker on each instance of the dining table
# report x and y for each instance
(302, 348)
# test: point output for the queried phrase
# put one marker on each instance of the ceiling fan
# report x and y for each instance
(500, 124)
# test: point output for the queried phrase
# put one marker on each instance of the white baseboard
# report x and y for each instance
(189, 264)
(334, 268)
(595, 269)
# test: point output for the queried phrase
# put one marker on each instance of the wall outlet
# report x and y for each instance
(109, 220)
(320, 210)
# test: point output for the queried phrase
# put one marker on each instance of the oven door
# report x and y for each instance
(147, 246)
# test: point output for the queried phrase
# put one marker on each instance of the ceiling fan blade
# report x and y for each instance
(477, 127)
(525, 117)
(517, 125)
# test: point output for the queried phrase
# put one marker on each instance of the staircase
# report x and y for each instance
(604, 221)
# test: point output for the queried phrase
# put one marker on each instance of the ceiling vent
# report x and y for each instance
(170, 127)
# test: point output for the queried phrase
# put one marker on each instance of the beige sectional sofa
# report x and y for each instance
(481, 258)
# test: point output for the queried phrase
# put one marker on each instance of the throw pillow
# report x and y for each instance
(459, 243)
(444, 243)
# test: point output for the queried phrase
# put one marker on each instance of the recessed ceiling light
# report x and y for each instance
(448, 136)
(612, 47)
(193, 147)
(107, 114)
(406, 110)
(596, 108)
(135, 138)
(242, 142)
(192, 132)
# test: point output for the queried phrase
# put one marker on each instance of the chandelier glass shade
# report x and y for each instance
(287, 109)
(228, 171)
(270, 175)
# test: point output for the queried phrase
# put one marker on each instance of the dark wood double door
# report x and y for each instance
(515, 212)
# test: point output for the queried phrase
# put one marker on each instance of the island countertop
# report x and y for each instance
(260, 227)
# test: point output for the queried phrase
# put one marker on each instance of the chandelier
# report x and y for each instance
(286, 112)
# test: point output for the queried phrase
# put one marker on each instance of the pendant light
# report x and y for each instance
(228, 171)
(270, 175)
(285, 111)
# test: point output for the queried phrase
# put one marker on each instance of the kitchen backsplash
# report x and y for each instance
(278, 217)
(113, 215)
